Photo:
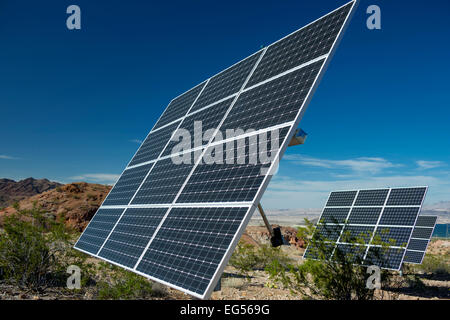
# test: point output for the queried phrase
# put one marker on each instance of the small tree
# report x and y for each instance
(248, 258)
(25, 256)
(305, 233)
(35, 251)
(334, 272)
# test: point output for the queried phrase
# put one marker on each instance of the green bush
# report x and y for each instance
(25, 256)
(35, 251)
(123, 284)
(247, 258)
(335, 274)
(435, 265)
(305, 233)
(16, 205)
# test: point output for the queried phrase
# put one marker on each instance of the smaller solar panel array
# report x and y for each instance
(375, 226)
(421, 236)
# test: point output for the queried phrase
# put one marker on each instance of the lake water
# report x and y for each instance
(441, 231)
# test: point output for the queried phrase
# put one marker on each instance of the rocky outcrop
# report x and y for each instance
(12, 191)
(74, 203)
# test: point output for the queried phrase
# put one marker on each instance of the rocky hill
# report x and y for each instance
(76, 203)
(12, 191)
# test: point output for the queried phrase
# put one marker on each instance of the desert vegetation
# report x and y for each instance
(36, 251)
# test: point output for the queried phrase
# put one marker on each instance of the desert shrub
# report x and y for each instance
(435, 265)
(247, 258)
(91, 196)
(123, 284)
(305, 233)
(335, 274)
(25, 257)
(35, 251)
(244, 259)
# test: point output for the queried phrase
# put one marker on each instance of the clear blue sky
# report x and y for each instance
(73, 103)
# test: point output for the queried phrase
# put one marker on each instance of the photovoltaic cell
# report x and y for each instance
(397, 237)
(355, 253)
(302, 46)
(371, 197)
(202, 121)
(406, 196)
(163, 183)
(273, 103)
(186, 252)
(422, 233)
(426, 221)
(389, 258)
(154, 145)
(126, 186)
(313, 252)
(364, 215)
(131, 234)
(404, 216)
(235, 182)
(171, 221)
(334, 215)
(99, 227)
(179, 106)
(226, 83)
(328, 232)
(341, 199)
(414, 256)
(353, 234)
(418, 244)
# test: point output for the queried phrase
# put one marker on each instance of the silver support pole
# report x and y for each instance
(266, 222)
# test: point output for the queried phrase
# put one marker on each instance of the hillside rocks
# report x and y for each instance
(12, 191)
(75, 203)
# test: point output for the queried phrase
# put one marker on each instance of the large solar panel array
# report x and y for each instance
(375, 226)
(177, 222)
(420, 239)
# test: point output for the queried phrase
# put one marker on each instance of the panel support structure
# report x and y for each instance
(299, 138)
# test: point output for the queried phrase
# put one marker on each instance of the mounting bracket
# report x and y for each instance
(276, 238)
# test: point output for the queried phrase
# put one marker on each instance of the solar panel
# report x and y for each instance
(420, 238)
(178, 210)
(179, 106)
(380, 222)
(226, 83)
(341, 199)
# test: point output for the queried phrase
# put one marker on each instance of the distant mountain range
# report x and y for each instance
(292, 217)
(12, 191)
(440, 209)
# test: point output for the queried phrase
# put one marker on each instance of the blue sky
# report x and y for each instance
(74, 103)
